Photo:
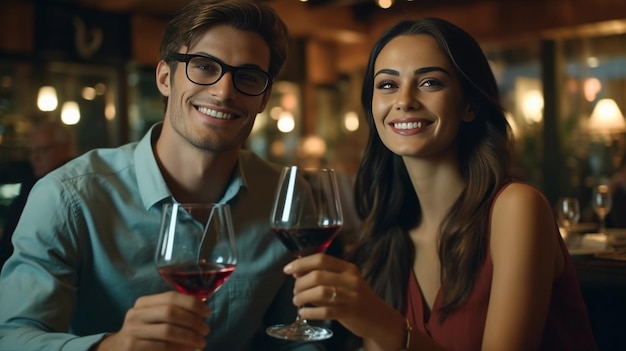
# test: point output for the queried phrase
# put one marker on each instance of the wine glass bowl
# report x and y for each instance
(196, 251)
(601, 201)
(306, 217)
(568, 213)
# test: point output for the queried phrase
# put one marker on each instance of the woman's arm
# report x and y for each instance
(526, 258)
(355, 305)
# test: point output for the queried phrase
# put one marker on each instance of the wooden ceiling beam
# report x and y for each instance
(330, 22)
(502, 21)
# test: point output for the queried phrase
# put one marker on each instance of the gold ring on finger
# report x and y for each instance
(333, 296)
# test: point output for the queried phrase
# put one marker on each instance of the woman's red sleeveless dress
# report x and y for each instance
(567, 327)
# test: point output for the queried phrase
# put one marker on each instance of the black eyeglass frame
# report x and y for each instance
(225, 69)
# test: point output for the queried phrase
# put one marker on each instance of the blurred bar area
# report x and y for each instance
(555, 61)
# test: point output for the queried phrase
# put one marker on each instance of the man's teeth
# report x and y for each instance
(216, 114)
(409, 125)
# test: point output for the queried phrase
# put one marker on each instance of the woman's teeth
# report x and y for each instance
(409, 125)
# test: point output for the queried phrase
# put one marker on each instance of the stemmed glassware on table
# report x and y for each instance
(196, 251)
(306, 217)
(568, 214)
(602, 202)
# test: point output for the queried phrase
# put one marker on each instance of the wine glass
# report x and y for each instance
(306, 217)
(197, 250)
(602, 202)
(568, 213)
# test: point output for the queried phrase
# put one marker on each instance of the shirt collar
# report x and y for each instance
(152, 186)
(237, 183)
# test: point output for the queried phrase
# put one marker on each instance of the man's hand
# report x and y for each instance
(168, 321)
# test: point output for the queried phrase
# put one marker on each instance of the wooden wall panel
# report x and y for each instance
(146, 35)
(17, 28)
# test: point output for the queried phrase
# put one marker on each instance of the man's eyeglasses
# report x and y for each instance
(208, 70)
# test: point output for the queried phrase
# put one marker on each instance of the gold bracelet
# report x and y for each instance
(409, 328)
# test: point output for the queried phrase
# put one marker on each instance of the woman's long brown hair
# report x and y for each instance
(385, 197)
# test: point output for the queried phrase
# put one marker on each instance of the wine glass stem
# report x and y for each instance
(297, 326)
(602, 224)
(299, 320)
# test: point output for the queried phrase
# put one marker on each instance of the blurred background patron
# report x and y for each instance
(50, 145)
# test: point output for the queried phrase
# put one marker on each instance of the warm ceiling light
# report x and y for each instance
(312, 146)
(384, 4)
(286, 123)
(606, 117)
(351, 121)
(591, 87)
(70, 113)
(532, 106)
(47, 98)
(89, 93)
(109, 111)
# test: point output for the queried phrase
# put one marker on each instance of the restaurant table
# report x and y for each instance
(603, 285)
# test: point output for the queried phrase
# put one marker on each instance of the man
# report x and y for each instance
(83, 276)
(51, 144)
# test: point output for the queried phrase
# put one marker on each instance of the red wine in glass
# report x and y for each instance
(307, 241)
(197, 250)
(200, 280)
(306, 217)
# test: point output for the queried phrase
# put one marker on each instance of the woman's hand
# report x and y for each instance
(167, 321)
(331, 288)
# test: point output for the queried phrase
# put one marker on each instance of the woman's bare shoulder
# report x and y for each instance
(520, 194)
(521, 211)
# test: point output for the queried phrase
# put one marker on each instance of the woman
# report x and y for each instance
(453, 254)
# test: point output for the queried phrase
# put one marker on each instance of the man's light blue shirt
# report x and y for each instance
(84, 252)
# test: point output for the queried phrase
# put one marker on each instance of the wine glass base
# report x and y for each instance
(302, 332)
